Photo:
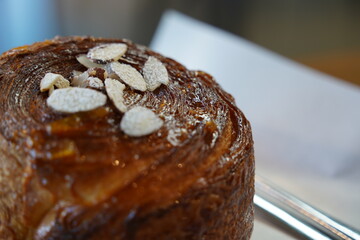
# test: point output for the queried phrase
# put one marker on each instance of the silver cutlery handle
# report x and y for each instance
(299, 215)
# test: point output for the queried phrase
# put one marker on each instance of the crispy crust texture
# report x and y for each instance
(78, 176)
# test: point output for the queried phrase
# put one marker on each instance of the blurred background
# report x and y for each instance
(323, 34)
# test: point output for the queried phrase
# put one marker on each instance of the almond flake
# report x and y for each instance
(107, 52)
(94, 82)
(87, 62)
(79, 80)
(110, 72)
(75, 73)
(115, 91)
(155, 73)
(84, 80)
(52, 79)
(51, 90)
(72, 100)
(140, 121)
(128, 61)
(129, 75)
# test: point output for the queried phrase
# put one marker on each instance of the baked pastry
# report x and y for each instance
(71, 169)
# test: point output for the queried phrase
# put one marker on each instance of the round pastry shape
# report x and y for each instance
(79, 175)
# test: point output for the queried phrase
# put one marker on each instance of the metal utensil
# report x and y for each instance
(299, 215)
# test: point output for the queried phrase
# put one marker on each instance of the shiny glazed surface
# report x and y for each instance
(78, 175)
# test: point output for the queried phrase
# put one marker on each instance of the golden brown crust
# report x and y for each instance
(78, 176)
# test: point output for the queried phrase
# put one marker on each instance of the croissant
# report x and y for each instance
(182, 169)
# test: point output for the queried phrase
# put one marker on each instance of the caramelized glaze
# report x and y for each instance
(83, 178)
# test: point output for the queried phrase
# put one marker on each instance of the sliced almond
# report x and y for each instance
(155, 73)
(129, 75)
(94, 82)
(84, 80)
(51, 90)
(75, 73)
(85, 61)
(140, 121)
(72, 100)
(110, 72)
(79, 80)
(128, 61)
(107, 52)
(52, 79)
(115, 91)
(62, 83)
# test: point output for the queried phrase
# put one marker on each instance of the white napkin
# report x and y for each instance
(306, 125)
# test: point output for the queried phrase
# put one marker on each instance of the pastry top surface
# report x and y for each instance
(79, 157)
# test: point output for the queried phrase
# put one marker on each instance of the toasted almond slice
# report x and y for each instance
(115, 91)
(51, 79)
(51, 90)
(72, 100)
(94, 82)
(110, 72)
(107, 52)
(75, 73)
(140, 121)
(128, 61)
(87, 62)
(84, 80)
(79, 80)
(129, 75)
(62, 83)
(155, 73)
